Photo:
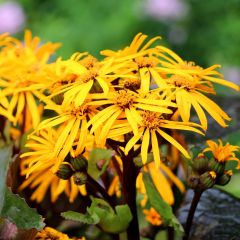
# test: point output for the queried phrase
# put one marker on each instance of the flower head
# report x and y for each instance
(222, 153)
(153, 216)
(21, 79)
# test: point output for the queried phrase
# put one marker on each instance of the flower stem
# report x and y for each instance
(129, 195)
(195, 201)
(101, 190)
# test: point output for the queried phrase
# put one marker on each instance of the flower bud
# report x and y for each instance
(207, 179)
(200, 164)
(80, 178)
(216, 166)
(79, 163)
(193, 181)
(65, 171)
(225, 178)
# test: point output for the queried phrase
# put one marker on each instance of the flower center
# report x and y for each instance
(145, 62)
(124, 99)
(180, 81)
(88, 62)
(190, 66)
(151, 120)
(89, 75)
(80, 112)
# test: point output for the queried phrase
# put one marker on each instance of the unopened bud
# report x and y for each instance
(193, 181)
(216, 166)
(79, 163)
(225, 178)
(207, 179)
(80, 178)
(200, 164)
(65, 171)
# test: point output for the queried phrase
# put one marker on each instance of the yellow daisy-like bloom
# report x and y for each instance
(149, 131)
(73, 120)
(124, 104)
(188, 94)
(20, 75)
(153, 216)
(223, 153)
(76, 77)
(190, 82)
(37, 165)
(142, 65)
(174, 64)
(50, 233)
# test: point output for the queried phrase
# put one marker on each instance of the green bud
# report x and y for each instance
(65, 171)
(80, 178)
(193, 181)
(216, 166)
(224, 179)
(207, 179)
(200, 164)
(79, 163)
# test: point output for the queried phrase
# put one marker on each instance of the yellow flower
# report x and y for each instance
(20, 76)
(50, 233)
(223, 153)
(153, 216)
(149, 131)
(73, 128)
(134, 50)
(75, 78)
(190, 82)
(174, 64)
(124, 105)
(142, 67)
(37, 165)
(188, 94)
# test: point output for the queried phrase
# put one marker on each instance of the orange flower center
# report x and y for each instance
(151, 120)
(124, 99)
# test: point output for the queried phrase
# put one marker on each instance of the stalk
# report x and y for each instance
(129, 195)
(195, 201)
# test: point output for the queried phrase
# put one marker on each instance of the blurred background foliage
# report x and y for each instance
(202, 31)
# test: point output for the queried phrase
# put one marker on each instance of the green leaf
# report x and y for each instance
(96, 156)
(16, 210)
(84, 218)
(101, 213)
(114, 222)
(5, 158)
(160, 205)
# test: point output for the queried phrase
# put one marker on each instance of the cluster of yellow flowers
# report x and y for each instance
(140, 95)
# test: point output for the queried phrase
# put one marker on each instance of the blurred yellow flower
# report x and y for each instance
(51, 233)
(20, 75)
(153, 216)
(223, 153)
